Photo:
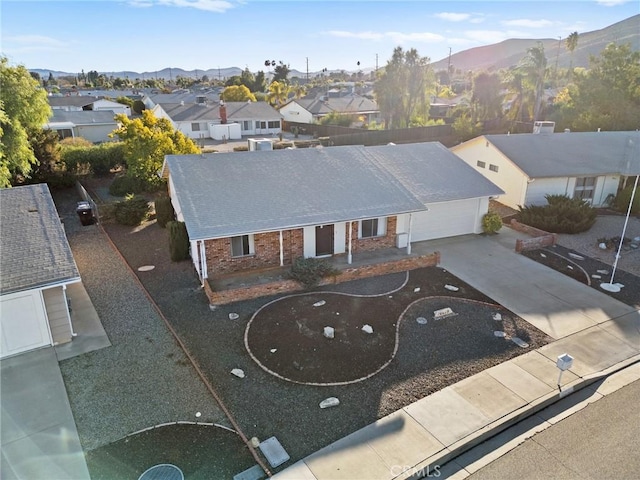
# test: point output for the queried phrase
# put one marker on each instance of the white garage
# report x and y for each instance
(448, 219)
(36, 264)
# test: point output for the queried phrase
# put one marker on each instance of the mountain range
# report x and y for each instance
(489, 57)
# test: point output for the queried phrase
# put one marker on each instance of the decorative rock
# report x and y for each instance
(198, 414)
(569, 267)
(146, 268)
(633, 245)
(603, 272)
(233, 316)
(543, 255)
(518, 341)
(329, 402)
(416, 290)
(255, 442)
(602, 246)
(212, 307)
(367, 329)
(636, 239)
(238, 372)
(273, 350)
(499, 333)
(497, 316)
(576, 256)
(451, 288)
(329, 332)
(596, 276)
(421, 320)
(320, 303)
(297, 366)
(443, 313)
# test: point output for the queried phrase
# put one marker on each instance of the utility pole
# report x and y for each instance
(449, 67)
(557, 57)
(307, 69)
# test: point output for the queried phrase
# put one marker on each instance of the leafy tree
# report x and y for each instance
(234, 80)
(237, 93)
(146, 141)
(280, 73)
(521, 98)
(486, 96)
(125, 101)
(138, 106)
(534, 67)
(403, 86)
(278, 93)
(46, 148)
(572, 44)
(335, 118)
(259, 83)
(464, 128)
(23, 109)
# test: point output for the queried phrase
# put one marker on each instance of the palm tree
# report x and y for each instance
(534, 66)
(572, 44)
(278, 93)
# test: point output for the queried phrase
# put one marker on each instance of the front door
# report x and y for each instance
(324, 240)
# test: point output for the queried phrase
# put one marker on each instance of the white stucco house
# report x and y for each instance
(310, 110)
(321, 202)
(589, 165)
(94, 126)
(37, 265)
(78, 103)
(221, 121)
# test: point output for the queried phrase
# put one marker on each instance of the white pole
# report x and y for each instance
(624, 230)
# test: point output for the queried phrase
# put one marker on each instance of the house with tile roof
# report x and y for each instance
(221, 121)
(37, 265)
(94, 126)
(261, 209)
(588, 165)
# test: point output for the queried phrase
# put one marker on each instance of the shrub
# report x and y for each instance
(491, 223)
(125, 185)
(164, 211)
(623, 198)
(178, 241)
(309, 271)
(241, 148)
(98, 159)
(138, 106)
(561, 215)
(132, 210)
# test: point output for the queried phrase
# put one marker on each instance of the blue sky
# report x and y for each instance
(148, 35)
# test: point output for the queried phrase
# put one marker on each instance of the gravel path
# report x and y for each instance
(143, 379)
(606, 226)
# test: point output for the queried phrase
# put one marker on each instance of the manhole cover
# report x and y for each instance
(146, 268)
(164, 471)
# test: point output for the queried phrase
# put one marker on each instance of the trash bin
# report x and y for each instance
(85, 213)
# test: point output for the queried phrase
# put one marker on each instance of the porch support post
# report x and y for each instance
(281, 250)
(349, 255)
(66, 304)
(203, 262)
(409, 234)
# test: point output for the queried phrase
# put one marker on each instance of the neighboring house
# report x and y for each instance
(78, 103)
(588, 165)
(90, 125)
(150, 100)
(311, 110)
(37, 265)
(221, 121)
(248, 210)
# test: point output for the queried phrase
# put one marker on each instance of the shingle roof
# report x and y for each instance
(236, 111)
(34, 249)
(72, 101)
(349, 104)
(84, 117)
(228, 194)
(571, 154)
(432, 173)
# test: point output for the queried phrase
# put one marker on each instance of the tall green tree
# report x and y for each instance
(281, 73)
(278, 93)
(23, 108)
(534, 66)
(572, 44)
(237, 93)
(401, 90)
(486, 96)
(146, 141)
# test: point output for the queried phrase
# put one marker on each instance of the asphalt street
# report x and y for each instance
(599, 441)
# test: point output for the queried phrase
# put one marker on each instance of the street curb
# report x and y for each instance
(479, 436)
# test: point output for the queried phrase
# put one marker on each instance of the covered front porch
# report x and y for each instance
(233, 287)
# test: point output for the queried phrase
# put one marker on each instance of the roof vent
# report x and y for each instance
(567, 130)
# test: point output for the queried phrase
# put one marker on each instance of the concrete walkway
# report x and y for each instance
(602, 334)
(39, 435)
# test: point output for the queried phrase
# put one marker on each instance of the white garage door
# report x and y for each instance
(23, 324)
(445, 220)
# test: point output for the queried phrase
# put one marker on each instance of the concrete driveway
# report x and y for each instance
(552, 302)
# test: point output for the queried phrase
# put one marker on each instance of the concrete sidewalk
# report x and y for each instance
(602, 334)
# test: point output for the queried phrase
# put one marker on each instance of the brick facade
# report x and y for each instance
(411, 262)
(540, 237)
(374, 243)
(267, 252)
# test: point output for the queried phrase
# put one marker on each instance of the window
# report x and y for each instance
(195, 127)
(481, 164)
(274, 124)
(493, 168)
(242, 246)
(374, 227)
(246, 125)
(260, 124)
(584, 188)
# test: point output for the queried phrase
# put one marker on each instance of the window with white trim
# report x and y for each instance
(584, 188)
(246, 125)
(274, 124)
(242, 246)
(372, 227)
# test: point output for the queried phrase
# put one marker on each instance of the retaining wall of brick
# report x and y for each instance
(540, 237)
